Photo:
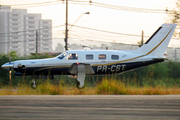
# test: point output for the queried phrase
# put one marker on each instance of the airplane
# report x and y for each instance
(79, 63)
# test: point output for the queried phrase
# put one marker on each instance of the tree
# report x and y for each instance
(59, 48)
(174, 17)
(74, 46)
(4, 58)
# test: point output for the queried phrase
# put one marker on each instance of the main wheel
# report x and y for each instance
(78, 84)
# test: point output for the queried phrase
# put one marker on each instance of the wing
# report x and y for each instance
(87, 68)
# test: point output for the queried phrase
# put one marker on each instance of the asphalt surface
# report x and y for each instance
(90, 107)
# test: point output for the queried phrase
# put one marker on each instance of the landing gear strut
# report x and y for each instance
(80, 76)
(33, 84)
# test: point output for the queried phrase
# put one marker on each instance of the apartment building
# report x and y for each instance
(4, 28)
(45, 35)
(31, 28)
(16, 31)
(23, 32)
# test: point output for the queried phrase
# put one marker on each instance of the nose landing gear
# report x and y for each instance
(33, 84)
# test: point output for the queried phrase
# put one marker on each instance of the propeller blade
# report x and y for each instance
(10, 71)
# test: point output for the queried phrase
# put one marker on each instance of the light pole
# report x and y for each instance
(66, 30)
(78, 19)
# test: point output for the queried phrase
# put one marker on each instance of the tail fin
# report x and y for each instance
(156, 45)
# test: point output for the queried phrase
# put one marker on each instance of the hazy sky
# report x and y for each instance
(119, 21)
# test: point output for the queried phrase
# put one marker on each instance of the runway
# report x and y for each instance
(90, 107)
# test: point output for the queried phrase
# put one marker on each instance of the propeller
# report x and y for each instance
(10, 69)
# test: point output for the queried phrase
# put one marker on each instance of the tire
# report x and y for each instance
(32, 86)
(77, 85)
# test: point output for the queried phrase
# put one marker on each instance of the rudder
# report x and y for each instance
(156, 45)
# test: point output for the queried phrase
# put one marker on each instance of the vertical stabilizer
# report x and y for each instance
(156, 45)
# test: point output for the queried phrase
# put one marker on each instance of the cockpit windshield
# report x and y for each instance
(61, 56)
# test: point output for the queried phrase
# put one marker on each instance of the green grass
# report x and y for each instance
(105, 87)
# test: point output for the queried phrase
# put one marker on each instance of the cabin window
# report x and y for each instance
(115, 57)
(102, 56)
(89, 57)
(61, 56)
(72, 56)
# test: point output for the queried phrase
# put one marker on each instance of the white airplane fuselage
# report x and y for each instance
(102, 62)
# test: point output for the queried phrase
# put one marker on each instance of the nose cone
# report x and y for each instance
(8, 65)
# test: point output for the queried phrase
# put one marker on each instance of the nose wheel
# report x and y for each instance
(33, 84)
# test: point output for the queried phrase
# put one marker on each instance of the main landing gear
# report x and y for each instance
(80, 76)
(81, 70)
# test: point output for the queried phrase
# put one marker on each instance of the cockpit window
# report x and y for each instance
(61, 56)
(72, 56)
